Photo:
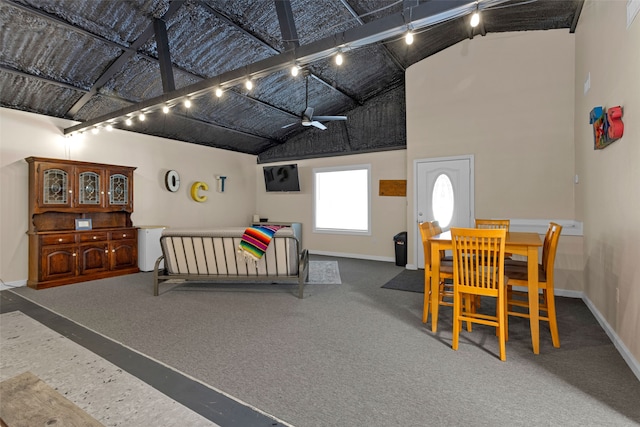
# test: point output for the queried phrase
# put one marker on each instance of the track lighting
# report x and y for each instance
(165, 109)
(218, 92)
(295, 70)
(409, 37)
(248, 84)
(128, 122)
(187, 103)
(338, 58)
(109, 128)
(141, 117)
(95, 130)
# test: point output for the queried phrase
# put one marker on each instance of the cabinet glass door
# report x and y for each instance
(89, 188)
(118, 189)
(55, 187)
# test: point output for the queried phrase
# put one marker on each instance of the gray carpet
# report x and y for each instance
(357, 354)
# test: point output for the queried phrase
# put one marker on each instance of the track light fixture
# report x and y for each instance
(295, 70)
(128, 122)
(109, 127)
(95, 130)
(187, 103)
(141, 117)
(339, 58)
(218, 92)
(165, 109)
(248, 84)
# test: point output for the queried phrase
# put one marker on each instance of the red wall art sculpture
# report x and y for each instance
(607, 126)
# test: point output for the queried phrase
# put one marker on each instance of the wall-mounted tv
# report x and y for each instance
(281, 178)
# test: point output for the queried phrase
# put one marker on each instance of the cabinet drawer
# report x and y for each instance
(58, 239)
(123, 234)
(93, 237)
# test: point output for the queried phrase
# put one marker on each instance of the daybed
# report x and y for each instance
(213, 256)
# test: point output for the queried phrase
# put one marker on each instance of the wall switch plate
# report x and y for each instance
(587, 83)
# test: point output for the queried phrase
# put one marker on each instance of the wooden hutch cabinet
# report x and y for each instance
(79, 222)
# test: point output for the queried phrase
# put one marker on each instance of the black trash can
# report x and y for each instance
(400, 243)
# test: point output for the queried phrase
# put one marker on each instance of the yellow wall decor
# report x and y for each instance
(195, 188)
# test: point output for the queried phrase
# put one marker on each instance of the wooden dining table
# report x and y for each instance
(525, 244)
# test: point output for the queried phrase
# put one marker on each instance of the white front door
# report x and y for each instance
(444, 192)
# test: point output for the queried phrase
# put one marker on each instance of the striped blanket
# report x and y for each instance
(255, 241)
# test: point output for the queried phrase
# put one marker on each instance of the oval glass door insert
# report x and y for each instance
(442, 200)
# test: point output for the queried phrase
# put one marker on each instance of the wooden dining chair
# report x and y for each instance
(474, 278)
(492, 224)
(517, 274)
(444, 295)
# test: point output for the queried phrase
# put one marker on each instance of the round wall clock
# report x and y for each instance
(172, 181)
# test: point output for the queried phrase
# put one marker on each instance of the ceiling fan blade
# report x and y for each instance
(289, 125)
(329, 118)
(318, 125)
(308, 113)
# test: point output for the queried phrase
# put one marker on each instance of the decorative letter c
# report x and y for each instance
(194, 191)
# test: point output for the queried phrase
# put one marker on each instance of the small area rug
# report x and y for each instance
(324, 273)
(407, 280)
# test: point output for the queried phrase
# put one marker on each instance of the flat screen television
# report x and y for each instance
(281, 178)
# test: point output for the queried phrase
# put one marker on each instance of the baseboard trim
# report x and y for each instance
(356, 256)
(617, 342)
(11, 285)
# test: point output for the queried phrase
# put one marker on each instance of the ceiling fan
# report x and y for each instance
(308, 119)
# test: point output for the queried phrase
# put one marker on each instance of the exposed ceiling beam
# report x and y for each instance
(268, 46)
(390, 54)
(164, 57)
(287, 24)
(122, 59)
(576, 16)
(424, 15)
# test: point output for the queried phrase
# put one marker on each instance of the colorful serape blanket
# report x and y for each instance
(255, 240)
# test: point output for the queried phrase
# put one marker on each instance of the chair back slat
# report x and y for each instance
(493, 223)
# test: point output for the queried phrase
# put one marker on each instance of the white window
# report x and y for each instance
(342, 199)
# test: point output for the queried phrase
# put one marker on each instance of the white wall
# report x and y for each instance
(507, 99)
(608, 196)
(25, 134)
(389, 212)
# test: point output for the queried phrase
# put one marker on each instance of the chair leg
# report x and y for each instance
(427, 299)
(457, 323)
(551, 313)
(502, 326)
(469, 308)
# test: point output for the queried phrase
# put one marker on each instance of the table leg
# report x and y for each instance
(435, 284)
(532, 290)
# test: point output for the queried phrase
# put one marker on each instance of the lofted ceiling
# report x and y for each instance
(98, 62)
